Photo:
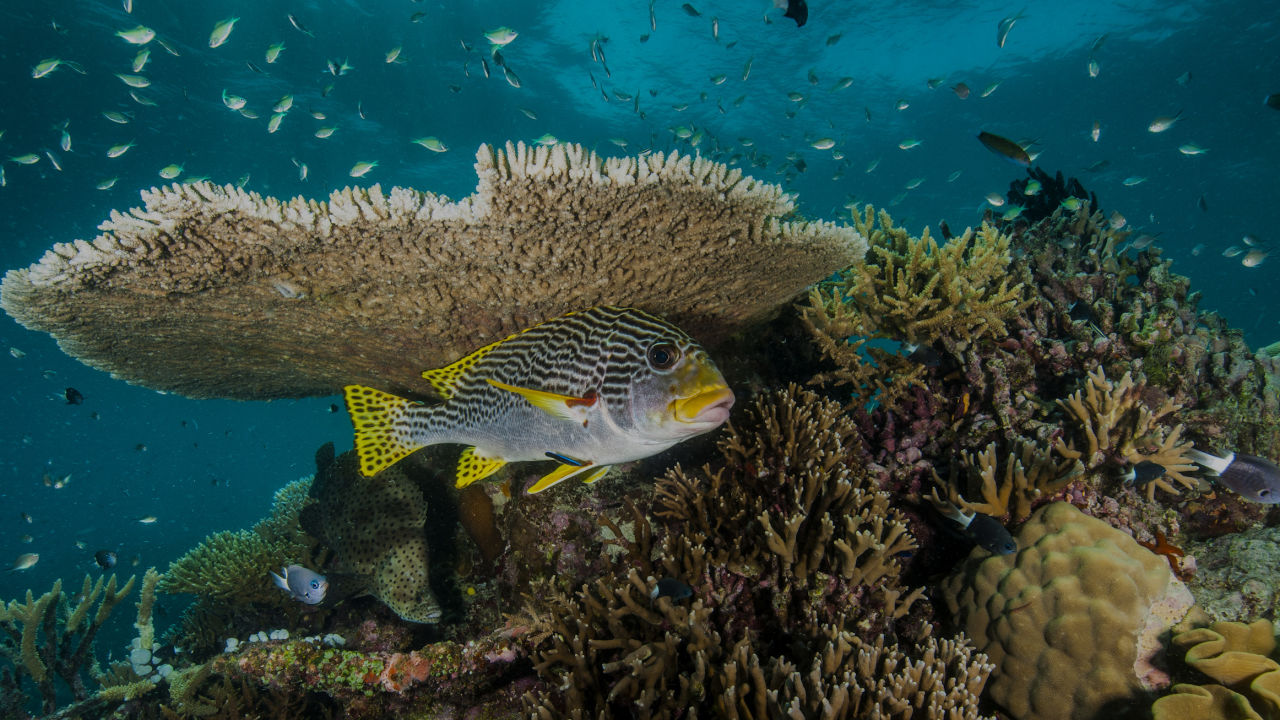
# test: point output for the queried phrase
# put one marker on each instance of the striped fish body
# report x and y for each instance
(588, 390)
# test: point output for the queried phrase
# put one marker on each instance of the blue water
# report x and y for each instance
(211, 465)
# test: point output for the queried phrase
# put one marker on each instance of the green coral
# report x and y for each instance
(51, 639)
(233, 565)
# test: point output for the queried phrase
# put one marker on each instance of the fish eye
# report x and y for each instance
(662, 356)
(315, 584)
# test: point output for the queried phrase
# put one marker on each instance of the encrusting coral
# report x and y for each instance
(790, 557)
(1237, 657)
(1072, 620)
(214, 292)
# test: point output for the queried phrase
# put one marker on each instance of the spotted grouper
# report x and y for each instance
(589, 389)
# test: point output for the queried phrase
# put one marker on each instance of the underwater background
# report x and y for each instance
(755, 91)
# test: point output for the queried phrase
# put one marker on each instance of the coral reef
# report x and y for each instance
(1072, 621)
(1029, 475)
(1235, 575)
(234, 566)
(341, 682)
(215, 292)
(790, 557)
(1236, 656)
(1120, 427)
(911, 290)
(53, 636)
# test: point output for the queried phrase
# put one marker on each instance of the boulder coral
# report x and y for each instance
(1072, 621)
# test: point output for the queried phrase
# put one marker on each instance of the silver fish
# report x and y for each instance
(303, 585)
(590, 389)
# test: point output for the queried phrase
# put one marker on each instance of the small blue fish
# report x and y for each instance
(670, 587)
(302, 584)
(982, 529)
(1251, 477)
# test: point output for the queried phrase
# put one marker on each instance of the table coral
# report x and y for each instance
(216, 292)
(1071, 621)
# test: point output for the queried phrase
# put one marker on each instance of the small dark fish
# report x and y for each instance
(923, 355)
(1253, 478)
(961, 90)
(255, 68)
(693, 11)
(1081, 312)
(1144, 472)
(106, 559)
(1005, 147)
(74, 396)
(333, 408)
(982, 529)
(797, 10)
(1202, 204)
(992, 536)
(1272, 101)
(669, 587)
(302, 584)
(833, 39)
(945, 230)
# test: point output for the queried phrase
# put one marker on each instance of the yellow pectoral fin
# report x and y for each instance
(564, 472)
(473, 467)
(595, 475)
(560, 406)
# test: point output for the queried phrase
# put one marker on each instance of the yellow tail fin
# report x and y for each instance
(380, 438)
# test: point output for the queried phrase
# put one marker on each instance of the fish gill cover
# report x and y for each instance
(1095, 356)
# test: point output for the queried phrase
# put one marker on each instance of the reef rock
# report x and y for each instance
(1072, 620)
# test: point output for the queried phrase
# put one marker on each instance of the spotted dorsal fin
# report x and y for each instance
(445, 380)
(565, 407)
(473, 466)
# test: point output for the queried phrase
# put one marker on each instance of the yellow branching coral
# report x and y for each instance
(48, 639)
(912, 290)
(1120, 427)
(217, 292)
(1029, 475)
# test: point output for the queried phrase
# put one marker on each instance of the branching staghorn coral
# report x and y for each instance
(1119, 427)
(233, 565)
(49, 637)
(789, 553)
(1030, 474)
(912, 290)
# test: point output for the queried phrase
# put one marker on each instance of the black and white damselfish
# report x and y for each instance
(589, 389)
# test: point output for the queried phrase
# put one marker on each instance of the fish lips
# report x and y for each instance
(706, 409)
